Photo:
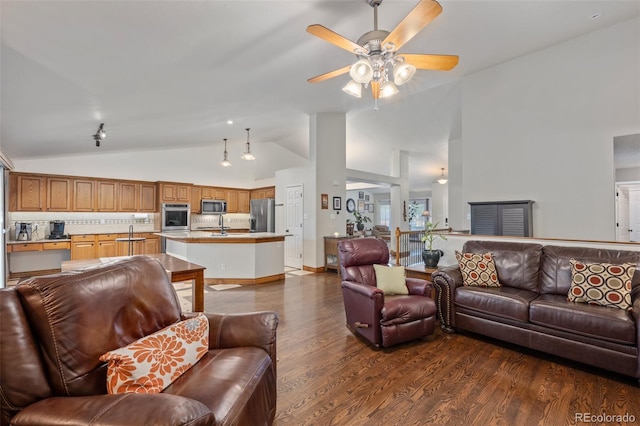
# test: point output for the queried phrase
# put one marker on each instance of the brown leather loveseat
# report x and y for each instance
(531, 307)
(53, 330)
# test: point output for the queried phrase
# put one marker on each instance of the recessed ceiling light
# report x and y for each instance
(595, 16)
(229, 121)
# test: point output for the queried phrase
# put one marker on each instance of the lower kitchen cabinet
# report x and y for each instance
(83, 247)
(107, 245)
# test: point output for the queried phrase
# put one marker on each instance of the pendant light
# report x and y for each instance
(247, 154)
(100, 134)
(225, 162)
(442, 179)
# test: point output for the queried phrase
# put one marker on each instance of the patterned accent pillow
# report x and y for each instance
(153, 362)
(602, 284)
(478, 270)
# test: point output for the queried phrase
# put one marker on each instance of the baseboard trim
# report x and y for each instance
(311, 269)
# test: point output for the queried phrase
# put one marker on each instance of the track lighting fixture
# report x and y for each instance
(225, 162)
(100, 134)
(247, 154)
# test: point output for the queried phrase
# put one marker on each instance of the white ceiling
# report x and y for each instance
(166, 74)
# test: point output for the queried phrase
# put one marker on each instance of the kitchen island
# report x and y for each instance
(247, 258)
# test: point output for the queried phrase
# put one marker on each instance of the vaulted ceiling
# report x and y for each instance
(169, 74)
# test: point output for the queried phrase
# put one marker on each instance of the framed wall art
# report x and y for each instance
(337, 203)
(324, 201)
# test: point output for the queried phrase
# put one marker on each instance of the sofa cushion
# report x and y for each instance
(391, 279)
(404, 309)
(478, 270)
(517, 264)
(153, 362)
(556, 268)
(554, 311)
(236, 384)
(602, 284)
(505, 302)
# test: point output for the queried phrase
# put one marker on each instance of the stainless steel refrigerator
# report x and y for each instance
(263, 215)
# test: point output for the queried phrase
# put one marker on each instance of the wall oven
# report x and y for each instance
(176, 216)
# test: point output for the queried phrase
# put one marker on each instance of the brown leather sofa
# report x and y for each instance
(531, 307)
(54, 328)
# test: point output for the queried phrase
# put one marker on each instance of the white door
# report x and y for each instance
(634, 215)
(622, 214)
(293, 244)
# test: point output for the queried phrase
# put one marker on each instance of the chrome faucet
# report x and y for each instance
(221, 223)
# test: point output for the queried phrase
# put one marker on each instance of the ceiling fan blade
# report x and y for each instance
(330, 74)
(431, 62)
(421, 15)
(375, 89)
(333, 38)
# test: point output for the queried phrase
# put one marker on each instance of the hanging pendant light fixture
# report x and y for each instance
(100, 134)
(225, 162)
(247, 154)
(442, 179)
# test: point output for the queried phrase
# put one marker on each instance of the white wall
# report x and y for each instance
(629, 174)
(541, 127)
(198, 165)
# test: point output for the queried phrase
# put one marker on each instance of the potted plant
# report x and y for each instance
(360, 220)
(430, 256)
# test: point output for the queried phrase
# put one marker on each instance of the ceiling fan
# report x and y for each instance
(378, 56)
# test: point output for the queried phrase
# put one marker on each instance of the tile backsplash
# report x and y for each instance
(105, 223)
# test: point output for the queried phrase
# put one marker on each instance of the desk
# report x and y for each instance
(177, 269)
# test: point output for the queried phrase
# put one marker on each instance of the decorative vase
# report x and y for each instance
(431, 257)
(360, 226)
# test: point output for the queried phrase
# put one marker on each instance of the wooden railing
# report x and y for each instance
(409, 246)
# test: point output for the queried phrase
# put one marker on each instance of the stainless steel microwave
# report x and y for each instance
(213, 207)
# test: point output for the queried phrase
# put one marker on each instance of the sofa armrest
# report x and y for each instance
(419, 287)
(446, 280)
(237, 330)
(115, 410)
(363, 309)
(368, 291)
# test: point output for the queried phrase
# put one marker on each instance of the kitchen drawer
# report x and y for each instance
(77, 238)
(107, 237)
(61, 245)
(26, 247)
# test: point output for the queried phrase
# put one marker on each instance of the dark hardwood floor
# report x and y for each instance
(326, 376)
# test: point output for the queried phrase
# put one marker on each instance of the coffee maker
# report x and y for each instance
(23, 231)
(56, 230)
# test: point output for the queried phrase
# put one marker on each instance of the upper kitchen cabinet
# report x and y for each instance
(59, 194)
(84, 193)
(128, 196)
(27, 193)
(267, 192)
(196, 196)
(172, 192)
(147, 198)
(232, 200)
(243, 201)
(107, 191)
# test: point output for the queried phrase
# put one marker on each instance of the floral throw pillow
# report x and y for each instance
(153, 362)
(478, 270)
(602, 284)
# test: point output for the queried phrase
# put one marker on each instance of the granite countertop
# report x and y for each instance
(216, 237)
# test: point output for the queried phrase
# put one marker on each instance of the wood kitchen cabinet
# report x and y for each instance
(137, 247)
(27, 193)
(172, 192)
(232, 201)
(83, 247)
(106, 191)
(244, 204)
(106, 244)
(127, 194)
(84, 194)
(208, 193)
(266, 192)
(218, 194)
(59, 193)
(196, 197)
(147, 200)
(151, 243)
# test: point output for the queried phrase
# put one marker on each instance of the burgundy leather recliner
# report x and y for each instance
(383, 320)
(54, 328)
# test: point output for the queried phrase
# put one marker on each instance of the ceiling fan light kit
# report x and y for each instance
(379, 65)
